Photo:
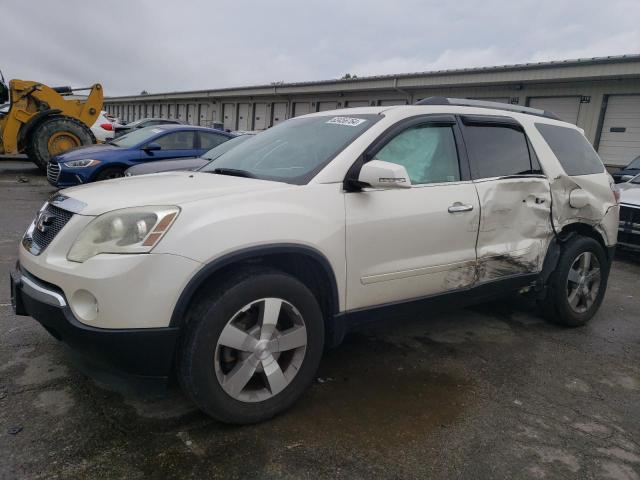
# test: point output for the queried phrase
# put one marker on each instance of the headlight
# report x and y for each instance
(81, 163)
(129, 230)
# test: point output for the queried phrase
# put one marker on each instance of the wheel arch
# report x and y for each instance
(32, 124)
(569, 231)
(303, 262)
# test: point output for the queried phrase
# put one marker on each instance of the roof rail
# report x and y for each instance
(465, 102)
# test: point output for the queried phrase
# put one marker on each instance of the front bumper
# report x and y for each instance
(65, 177)
(139, 352)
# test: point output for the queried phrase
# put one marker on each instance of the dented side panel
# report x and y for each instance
(515, 227)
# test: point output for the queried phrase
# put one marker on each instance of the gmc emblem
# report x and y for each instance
(43, 221)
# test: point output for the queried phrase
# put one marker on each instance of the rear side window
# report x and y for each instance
(572, 149)
(498, 151)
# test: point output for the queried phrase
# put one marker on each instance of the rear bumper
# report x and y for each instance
(139, 352)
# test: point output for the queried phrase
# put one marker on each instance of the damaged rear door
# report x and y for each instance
(514, 196)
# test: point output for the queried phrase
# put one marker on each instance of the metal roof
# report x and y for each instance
(277, 87)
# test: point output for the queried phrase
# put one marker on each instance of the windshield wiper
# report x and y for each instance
(233, 172)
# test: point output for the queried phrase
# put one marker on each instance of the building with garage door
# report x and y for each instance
(600, 95)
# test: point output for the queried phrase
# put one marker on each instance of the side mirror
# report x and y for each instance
(153, 146)
(381, 174)
(579, 198)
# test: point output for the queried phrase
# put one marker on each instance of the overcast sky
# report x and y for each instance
(162, 45)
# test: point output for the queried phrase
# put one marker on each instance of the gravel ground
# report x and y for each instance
(486, 392)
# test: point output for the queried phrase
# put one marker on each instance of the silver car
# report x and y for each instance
(629, 230)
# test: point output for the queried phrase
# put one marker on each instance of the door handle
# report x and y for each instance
(460, 207)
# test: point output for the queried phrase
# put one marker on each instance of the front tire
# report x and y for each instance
(252, 345)
(577, 287)
(56, 135)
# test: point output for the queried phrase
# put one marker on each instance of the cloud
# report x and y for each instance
(158, 46)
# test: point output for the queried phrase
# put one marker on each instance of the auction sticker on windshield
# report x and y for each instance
(349, 121)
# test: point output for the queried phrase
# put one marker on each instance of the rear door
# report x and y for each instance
(413, 242)
(514, 197)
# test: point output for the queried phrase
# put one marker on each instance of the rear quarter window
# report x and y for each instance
(572, 149)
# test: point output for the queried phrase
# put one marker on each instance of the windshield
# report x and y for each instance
(635, 179)
(134, 138)
(296, 150)
(224, 147)
(635, 163)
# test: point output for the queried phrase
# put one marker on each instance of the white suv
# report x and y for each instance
(235, 278)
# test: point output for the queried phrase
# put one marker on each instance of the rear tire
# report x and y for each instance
(56, 135)
(576, 288)
(109, 173)
(277, 358)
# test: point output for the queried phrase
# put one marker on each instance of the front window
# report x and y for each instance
(428, 152)
(182, 140)
(136, 137)
(296, 150)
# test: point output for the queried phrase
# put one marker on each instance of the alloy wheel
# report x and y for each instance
(260, 350)
(583, 282)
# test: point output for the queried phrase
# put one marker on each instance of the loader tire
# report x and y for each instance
(54, 136)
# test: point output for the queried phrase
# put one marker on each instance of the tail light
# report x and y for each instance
(106, 126)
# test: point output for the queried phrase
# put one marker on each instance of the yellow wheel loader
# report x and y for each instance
(37, 120)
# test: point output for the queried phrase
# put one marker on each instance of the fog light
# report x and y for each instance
(84, 305)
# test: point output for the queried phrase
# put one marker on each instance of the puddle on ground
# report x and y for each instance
(375, 394)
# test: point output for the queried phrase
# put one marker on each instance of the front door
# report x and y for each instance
(514, 196)
(173, 145)
(409, 243)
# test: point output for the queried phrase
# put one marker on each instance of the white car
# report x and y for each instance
(103, 128)
(236, 277)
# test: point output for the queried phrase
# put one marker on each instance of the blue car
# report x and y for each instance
(110, 160)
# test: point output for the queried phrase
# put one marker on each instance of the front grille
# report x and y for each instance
(629, 229)
(45, 227)
(53, 172)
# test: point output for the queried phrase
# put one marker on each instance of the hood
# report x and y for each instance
(171, 188)
(80, 153)
(629, 193)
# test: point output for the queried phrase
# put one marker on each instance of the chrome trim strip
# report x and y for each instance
(69, 204)
(43, 294)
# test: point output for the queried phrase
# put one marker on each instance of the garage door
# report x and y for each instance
(620, 136)
(567, 108)
(192, 116)
(244, 120)
(204, 114)
(324, 106)
(260, 116)
(279, 113)
(301, 108)
(229, 113)
(357, 103)
(182, 112)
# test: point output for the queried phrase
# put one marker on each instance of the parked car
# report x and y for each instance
(629, 231)
(627, 173)
(196, 163)
(103, 128)
(143, 123)
(235, 278)
(150, 144)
